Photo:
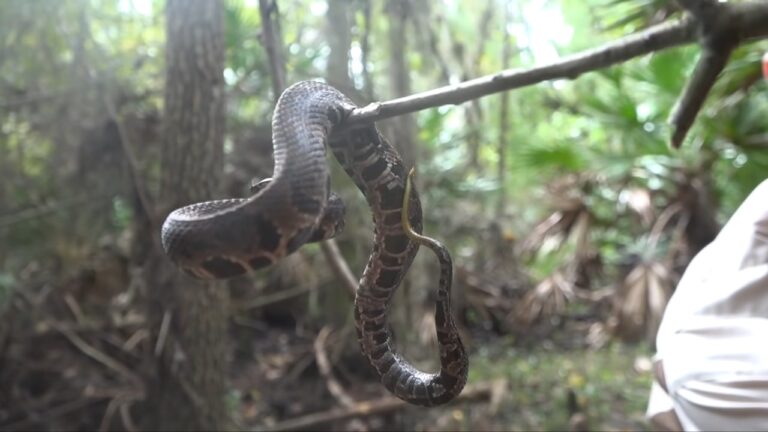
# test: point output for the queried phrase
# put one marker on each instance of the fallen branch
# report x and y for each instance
(485, 390)
(101, 357)
(47, 327)
(121, 404)
(326, 370)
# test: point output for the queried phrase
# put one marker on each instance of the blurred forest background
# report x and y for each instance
(569, 217)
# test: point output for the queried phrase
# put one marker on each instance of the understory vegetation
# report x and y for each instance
(569, 216)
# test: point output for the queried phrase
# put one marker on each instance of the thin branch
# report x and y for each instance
(653, 39)
(125, 416)
(718, 38)
(109, 412)
(739, 21)
(326, 370)
(312, 421)
(162, 334)
(339, 265)
(710, 64)
(101, 357)
(47, 327)
(506, 53)
(273, 45)
(661, 222)
(145, 201)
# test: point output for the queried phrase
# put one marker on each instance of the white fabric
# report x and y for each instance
(713, 339)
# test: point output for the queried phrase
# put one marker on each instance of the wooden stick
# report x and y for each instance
(483, 390)
(656, 38)
(742, 21)
(100, 356)
(326, 370)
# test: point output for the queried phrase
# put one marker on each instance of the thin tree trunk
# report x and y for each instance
(506, 53)
(365, 46)
(339, 39)
(404, 131)
(339, 35)
(273, 44)
(189, 318)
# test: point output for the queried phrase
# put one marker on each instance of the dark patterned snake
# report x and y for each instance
(224, 238)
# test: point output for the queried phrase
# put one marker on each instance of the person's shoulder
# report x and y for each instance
(761, 189)
(754, 209)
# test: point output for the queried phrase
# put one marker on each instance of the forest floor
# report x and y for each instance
(510, 388)
(610, 386)
(58, 373)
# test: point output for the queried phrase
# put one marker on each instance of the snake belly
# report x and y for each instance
(225, 238)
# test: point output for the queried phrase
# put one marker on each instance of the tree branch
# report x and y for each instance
(653, 39)
(701, 9)
(484, 390)
(717, 39)
(730, 25)
(710, 64)
(145, 201)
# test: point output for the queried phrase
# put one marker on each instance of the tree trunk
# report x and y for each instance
(402, 133)
(506, 53)
(189, 318)
(339, 36)
(404, 127)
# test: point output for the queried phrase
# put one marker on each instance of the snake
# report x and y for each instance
(229, 237)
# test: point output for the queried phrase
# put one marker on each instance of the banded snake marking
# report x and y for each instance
(225, 238)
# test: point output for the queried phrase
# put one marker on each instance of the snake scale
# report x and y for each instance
(225, 238)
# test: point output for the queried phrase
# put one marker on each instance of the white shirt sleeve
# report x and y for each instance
(713, 338)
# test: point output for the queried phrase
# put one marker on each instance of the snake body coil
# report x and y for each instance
(219, 239)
